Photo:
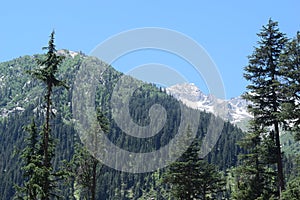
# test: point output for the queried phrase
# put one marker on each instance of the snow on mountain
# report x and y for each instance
(233, 110)
(66, 53)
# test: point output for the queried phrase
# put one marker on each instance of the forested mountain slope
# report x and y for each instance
(21, 100)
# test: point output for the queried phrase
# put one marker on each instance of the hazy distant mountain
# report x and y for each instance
(233, 110)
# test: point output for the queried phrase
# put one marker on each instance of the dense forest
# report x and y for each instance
(42, 155)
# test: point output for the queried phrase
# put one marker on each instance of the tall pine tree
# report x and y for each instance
(46, 73)
(264, 91)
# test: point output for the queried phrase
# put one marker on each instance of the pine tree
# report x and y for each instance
(193, 178)
(46, 73)
(290, 61)
(254, 177)
(264, 92)
(31, 157)
(291, 71)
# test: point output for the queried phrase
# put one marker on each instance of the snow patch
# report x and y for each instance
(65, 52)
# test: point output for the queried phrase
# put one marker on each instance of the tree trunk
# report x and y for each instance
(47, 128)
(279, 160)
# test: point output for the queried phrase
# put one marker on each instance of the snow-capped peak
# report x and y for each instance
(233, 110)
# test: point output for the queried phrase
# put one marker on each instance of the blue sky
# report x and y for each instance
(225, 29)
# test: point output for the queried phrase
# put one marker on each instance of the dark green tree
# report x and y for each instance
(292, 191)
(291, 70)
(264, 90)
(31, 157)
(193, 178)
(46, 73)
(254, 176)
(290, 61)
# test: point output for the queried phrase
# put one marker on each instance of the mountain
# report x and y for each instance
(21, 100)
(233, 110)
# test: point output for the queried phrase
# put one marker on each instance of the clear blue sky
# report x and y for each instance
(226, 29)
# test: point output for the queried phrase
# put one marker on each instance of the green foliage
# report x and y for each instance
(292, 191)
(254, 177)
(265, 88)
(38, 168)
(49, 66)
(111, 184)
(290, 61)
(32, 158)
(273, 71)
(193, 178)
(16, 114)
(15, 85)
(263, 74)
(85, 167)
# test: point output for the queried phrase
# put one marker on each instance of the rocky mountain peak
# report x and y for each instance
(233, 110)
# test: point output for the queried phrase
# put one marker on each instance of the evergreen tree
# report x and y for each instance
(291, 70)
(264, 91)
(254, 177)
(193, 178)
(31, 157)
(46, 73)
(290, 61)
